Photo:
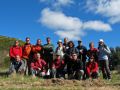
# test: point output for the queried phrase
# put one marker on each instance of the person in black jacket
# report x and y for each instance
(82, 55)
(75, 68)
(71, 49)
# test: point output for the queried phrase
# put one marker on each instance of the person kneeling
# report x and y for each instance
(17, 65)
(92, 69)
(75, 68)
(38, 66)
(57, 67)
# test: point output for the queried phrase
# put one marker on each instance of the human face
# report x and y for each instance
(74, 56)
(16, 43)
(91, 59)
(80, 43)
(17, 58)
(60, 44)
(27, 40)
(71, 44)
(101, 43)
(92, 45)
(39, 42)
(65, 40)
(48, 40)
(38, 56)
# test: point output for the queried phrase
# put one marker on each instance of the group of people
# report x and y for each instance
(66, 61)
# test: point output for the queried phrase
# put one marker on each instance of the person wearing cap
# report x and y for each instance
(75, 68)
(38, 66)
(82, 55)
(65, 44)
(92, 51)
(48, 52)
(57, 67)
(103, 57)
(60, 49)
(92, 68)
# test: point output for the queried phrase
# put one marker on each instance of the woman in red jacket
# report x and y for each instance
(38, 66)
(92, 68)
(15, 50)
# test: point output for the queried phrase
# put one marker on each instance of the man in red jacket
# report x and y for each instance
(57, 67)
(92, 68)
(15, 50)
(38, 66)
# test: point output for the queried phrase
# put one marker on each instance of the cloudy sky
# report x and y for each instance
(88, 20)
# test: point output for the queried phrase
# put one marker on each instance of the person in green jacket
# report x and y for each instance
(48, 52)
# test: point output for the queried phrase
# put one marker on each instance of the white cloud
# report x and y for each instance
(108, 8)
(63, 2)
(67, 26)
(97, 26)
(58, 3)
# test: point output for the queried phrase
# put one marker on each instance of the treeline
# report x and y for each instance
(115, 57)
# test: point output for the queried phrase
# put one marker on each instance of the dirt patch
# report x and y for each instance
(85, 83)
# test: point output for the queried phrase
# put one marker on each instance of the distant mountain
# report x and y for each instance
(5, 43)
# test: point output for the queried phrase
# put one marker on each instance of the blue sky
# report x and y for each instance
(88, 20)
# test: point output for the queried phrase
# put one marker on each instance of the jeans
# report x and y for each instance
(17, 66)
(104, 65)
(76, 75)
(37, 72)
(57, 73)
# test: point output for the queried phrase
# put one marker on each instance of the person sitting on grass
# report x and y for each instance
(57, 67)
(75, 68)
(92, 68)
(38, 66)
(17, 66)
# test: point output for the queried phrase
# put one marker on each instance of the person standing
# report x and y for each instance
(38, 48)
(15, 50)
(48, 52)
(103, 57)
(92, 51)
(27, 54)
(60, 49)
(82, 55)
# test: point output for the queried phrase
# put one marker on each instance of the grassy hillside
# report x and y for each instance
(5, 43)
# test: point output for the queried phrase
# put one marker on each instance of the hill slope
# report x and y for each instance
(5, 43)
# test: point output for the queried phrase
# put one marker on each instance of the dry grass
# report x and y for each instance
(17, 82)
(28, 83)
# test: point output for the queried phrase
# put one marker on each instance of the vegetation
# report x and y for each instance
(5, 43)
(18, 82)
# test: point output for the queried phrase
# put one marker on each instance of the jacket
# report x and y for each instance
(58, 63)
(93, 52)
(26, 51)
(104, 53)
(40, 63)
(74, 66)
(15, 50)
(82, 55)
(91, 67)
